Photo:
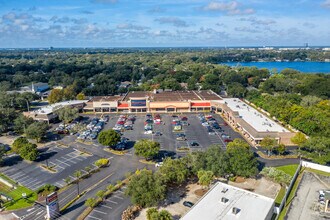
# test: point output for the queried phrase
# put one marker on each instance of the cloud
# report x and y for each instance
(87, 12)
(230, 8)
(255, 21)
(177, 22)
(246, 29)
(220, 24)
(104, 1)
(326, 4)
(129, 26)
(156, 10)
(65, 19)
(309, 25)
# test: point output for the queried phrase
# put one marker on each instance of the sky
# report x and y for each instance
(163, 23)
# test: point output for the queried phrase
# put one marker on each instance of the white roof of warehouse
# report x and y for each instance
(258, 121)
(53, 107)
(210, 207)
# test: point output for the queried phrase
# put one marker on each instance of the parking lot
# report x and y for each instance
(112, 207)
(194, 132)
(64, 160)
(306, 204)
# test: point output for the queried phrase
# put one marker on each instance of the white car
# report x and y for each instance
(148, 132)
(159, 164)
(205, 124)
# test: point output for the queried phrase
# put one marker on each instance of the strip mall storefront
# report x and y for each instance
(142, 105)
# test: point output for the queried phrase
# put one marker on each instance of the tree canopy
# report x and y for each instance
(146, 148)
(108, 138)
(145, 189)
(36, 130)
(67, 114)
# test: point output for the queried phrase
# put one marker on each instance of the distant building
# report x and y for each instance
(36, 88)
(125, 84)
(47, 114)
(225, 202)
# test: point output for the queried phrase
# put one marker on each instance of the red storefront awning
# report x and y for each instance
(123, 105)
(200, 104)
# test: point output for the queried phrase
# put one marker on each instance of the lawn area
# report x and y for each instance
(289, 169)
(16, 194)
(280, 196)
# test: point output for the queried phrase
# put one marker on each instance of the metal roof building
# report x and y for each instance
(225, 202)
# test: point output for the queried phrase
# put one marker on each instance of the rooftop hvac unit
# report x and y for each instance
(224, 200)
(224, 190)
(235, 210)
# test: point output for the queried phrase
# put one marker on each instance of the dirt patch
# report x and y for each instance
(240, 179)
(175, 199)
(260, 186)
(200, 192)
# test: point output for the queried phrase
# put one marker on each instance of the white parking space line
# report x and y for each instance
(35, 184)
(104, 213)
(63, 163)
(27, 181)
(108, 207)
(18, 175)
(118, 197)
(112, 201)
(93, 217)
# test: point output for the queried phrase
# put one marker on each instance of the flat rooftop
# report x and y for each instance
(250, 205)
(258, 121)
(53, 107)
(106, 98)
(168, 96)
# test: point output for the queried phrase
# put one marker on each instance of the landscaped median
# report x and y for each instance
(116, 152)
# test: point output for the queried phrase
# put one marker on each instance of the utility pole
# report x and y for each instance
(27, 104)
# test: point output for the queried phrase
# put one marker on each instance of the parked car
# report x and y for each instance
(205, 124)
(158, 133)
(225, 136)
(194, 143)
(184, 118)
(211, 131)
(188, 204)
(228, 140)
(148, 132)
(181, 137)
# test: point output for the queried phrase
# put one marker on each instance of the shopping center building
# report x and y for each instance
(160, 102)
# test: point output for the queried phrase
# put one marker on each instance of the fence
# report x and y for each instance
(315, 166)
(288, 190)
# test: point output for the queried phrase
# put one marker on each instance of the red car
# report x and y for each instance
(120, 122)
(228, 140)
(184, 119)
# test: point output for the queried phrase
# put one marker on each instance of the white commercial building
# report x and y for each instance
(225, 202)
(251, 123)
(46, 113)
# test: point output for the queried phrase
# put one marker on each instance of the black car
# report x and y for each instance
(188, 204)
(194, 143)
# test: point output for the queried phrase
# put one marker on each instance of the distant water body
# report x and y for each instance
(306, 67)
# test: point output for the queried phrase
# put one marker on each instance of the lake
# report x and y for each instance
(306, 67)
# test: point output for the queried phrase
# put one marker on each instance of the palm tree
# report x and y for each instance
(100, 194)
(78, 175)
